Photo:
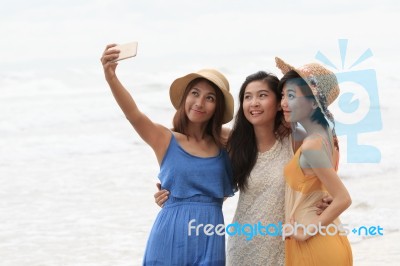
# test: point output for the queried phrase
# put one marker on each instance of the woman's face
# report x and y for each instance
(260, 104)
(200, 102)
(295, 105)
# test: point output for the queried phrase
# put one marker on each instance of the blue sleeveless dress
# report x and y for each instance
(197, 187)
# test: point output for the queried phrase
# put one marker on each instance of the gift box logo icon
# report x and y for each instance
(356, 110)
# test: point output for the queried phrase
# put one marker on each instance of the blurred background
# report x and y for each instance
(76, 181)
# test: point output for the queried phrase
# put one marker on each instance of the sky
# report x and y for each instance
(57, 36)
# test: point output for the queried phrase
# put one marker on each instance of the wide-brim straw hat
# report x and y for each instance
(323, 83)
(179, 86)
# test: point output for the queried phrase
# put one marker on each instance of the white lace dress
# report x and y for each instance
(263, 201)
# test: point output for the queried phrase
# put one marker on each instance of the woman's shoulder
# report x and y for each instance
(316, 146)
(312, 142)
(178, 136)
(316, 153)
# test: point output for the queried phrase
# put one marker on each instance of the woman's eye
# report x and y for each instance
(211, 99)
(195, 93)
(247, 97)
(263, 95)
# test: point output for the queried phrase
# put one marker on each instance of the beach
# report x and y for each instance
(77, 182)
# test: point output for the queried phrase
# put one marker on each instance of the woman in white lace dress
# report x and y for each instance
(259, 148)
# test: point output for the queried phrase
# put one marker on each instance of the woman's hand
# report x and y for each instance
(161, 196)
(296, 232)
(323, 204)
(300, 236)
(109, 65)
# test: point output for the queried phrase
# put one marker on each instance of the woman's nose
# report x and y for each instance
(200, 101)
(255, 102)
(284, 102)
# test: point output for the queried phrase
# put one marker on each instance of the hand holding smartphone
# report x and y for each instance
(127, 50)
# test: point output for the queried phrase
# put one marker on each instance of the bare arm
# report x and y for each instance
(153, 134)
(341, 199)
(320, 162)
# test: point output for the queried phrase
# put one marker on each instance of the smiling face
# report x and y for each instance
(200, 102)
(296, 106)
(260, 104)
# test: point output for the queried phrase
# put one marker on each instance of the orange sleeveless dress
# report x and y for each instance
(301, 195)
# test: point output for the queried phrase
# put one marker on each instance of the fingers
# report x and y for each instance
(163, 200)
(327, 199)
(160, 194)
(110, 46)
(321, 206)
(109, 55)
(161, 197)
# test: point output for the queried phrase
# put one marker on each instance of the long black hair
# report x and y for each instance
(242, 144)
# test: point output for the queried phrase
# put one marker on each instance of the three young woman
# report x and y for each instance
(196, 169)
(260, 145)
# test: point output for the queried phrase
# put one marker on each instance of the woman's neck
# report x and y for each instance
(312, 127)
(197, 131)
(265, 137)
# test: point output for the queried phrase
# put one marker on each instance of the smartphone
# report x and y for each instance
(127, 50)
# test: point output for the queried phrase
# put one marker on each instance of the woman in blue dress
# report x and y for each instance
(194, 167)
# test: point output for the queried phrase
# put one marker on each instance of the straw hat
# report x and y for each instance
(323, 83)
(179, 86)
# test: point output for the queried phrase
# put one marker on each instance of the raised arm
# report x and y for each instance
(155, 135)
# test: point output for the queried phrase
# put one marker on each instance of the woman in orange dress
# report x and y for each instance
(313, 239)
